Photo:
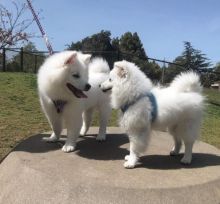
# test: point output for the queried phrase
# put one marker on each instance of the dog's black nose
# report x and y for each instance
(87, 87)
(99, 85)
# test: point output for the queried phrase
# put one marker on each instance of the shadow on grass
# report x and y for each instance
(111, 149)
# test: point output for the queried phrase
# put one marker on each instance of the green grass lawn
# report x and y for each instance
(211, 123)
(21, 116)
(212, 95)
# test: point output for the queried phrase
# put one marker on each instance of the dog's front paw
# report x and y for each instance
(174, 153)
(186, 160)
(129, 164)
(131, 161)
(52, 138)
(101, 137)
(68, 148)
(127, 157)
(82, 131)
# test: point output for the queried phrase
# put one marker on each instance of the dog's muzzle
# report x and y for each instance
(106, 90)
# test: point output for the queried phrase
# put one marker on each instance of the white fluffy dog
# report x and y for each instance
(98, 73)
(61, 81)
(144, 107)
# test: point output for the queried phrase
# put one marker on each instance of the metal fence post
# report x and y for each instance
(3, 60)
(22, 59)
(118, 54)
(35, 64)
(163, 72)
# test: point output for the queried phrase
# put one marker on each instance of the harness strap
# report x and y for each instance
(153, 102)
(59, 105)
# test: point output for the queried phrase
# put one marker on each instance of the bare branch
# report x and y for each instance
(13, 25)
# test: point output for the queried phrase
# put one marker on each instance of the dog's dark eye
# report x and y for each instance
(110, 79)
(76, 76)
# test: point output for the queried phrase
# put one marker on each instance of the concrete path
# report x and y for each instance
(39, 172)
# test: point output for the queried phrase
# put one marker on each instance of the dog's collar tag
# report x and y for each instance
(59, 105)
(153, 102)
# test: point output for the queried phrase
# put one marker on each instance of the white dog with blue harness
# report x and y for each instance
(144, 107)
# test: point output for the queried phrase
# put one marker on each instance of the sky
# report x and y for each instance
(162, 25)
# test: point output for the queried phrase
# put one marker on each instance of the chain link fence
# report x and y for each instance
(20, 60)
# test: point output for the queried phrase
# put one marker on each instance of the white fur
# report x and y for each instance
(98, 73)
(187, 82)
(54, 74)
(180, 109)
(99, 65)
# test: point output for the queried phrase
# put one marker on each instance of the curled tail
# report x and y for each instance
(187, 82)
(99, 65)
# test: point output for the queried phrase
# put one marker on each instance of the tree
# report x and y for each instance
(172, 70)
(153, 70)
(13, 25)
(99, 44)
(217, 67)
(128, 47)
(216, 70)
(194, 59)
(190, 59)
(131, 49)
(115, 43)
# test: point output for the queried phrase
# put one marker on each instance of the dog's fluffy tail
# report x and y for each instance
(99, 65)
(187, 82)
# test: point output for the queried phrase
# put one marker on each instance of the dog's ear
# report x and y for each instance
(71, 59)
(121, 72)
(86, 58)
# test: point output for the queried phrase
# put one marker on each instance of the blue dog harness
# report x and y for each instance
(153, 102)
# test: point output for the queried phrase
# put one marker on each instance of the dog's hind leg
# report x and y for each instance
(104, 114)
(177, 141)
(188, 131)
(189, 136)
(87, 118)
(187, 158)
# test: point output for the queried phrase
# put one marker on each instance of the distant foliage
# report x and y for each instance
(96, 43)
(194, 59)
(32, 59)
(191, 59)
(128, 47)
